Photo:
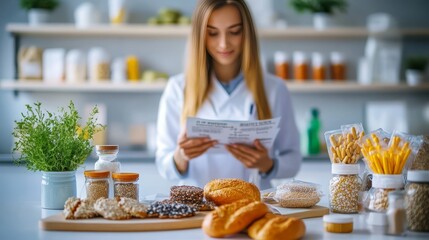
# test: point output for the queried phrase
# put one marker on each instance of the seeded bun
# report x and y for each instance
(229, 190)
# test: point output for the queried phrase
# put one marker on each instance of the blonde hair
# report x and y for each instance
(197, 74)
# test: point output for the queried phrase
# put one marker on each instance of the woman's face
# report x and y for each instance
(224, 35)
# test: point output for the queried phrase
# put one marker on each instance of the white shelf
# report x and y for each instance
(352, 87)
(295, 87)
(139, 30)
(35, 86)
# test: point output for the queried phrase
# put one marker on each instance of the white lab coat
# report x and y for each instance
(221, 106)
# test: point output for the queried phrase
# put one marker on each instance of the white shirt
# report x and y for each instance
(239, 105)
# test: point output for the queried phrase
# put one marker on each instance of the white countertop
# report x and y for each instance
(20, 209)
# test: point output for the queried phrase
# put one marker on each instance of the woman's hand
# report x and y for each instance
(252, 157)
(190, 148)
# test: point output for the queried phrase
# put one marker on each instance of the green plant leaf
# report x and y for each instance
(319, 6)
(42, 4)
(54, 142)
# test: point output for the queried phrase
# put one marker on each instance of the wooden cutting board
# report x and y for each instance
(57, 222)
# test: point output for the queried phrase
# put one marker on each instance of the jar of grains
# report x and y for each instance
(96, 184)
(126, 185)
(344, 188)
(377, 197)
(416, 200)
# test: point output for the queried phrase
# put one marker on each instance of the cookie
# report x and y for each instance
(70, 207)
(186, 194)
(201, 206)
(170, 210)
(110, 209)
(85, 210)
(75, 208)
(132, 207)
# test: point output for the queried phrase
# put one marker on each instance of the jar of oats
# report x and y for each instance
(126, 185)
(377, 197)
(344, 188)
(416, 201)
(96, 184)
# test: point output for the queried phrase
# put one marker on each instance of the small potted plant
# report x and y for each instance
(38, 10)
(415, 69)
(56, 145)
(322, 10)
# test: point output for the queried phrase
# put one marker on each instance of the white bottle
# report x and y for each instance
(75, 66)
(383, 49)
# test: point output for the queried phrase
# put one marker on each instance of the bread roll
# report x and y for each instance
(232, 218)
(228, 190)
(273, 227)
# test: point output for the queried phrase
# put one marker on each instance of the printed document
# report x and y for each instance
(230, 132)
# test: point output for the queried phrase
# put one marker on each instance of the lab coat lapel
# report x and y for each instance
(219, 97)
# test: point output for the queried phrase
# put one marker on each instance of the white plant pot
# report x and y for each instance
(57, 187)
(322, 21)
(414, 77)
(38, 16)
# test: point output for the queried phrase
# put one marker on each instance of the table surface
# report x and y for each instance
(20, 209)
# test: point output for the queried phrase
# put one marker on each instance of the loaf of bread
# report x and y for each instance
(228, 190)
(232, 218)
(273, 227)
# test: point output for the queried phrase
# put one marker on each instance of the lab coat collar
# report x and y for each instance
(219, 96)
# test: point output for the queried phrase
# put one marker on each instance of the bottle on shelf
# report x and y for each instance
(133, 69)
(313, 132)
(281, 62)
(318, 66)
(300, 66)
(338, 66)
(99, 65)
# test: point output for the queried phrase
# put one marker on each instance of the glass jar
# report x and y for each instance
(126, 185)
(416, 200)
(318, 66)
(338, 66)
(281, 61)
(300, 66)
(107, 158)
(377, 197)
(396, 213)
(96, 184)
(344, 188)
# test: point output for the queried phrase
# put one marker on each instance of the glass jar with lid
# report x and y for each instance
(377, 197)
(126, 185)
(96, 184)
(344, 188)
(416, 200)
(107, 158)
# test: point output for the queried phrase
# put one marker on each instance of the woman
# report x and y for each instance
(224, 81)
